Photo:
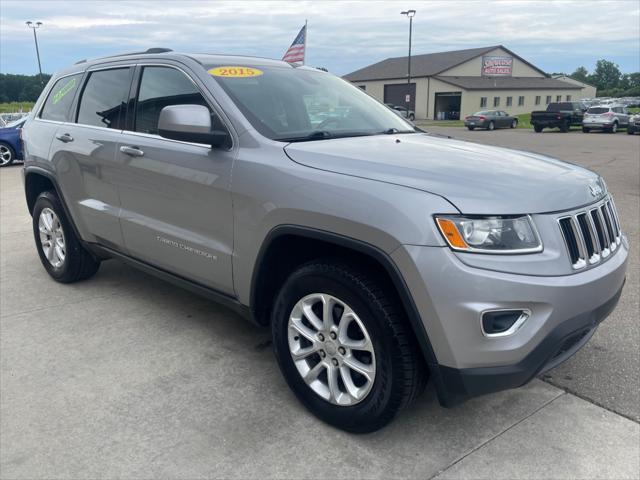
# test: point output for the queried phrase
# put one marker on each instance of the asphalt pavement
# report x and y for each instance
(124, 376)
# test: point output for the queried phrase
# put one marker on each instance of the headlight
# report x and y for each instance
(490, 234)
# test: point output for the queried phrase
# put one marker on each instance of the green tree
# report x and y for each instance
(581, 74)
(606, 75)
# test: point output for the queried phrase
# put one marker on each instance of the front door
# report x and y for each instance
(176, 200)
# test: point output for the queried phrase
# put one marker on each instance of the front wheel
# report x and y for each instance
(565, 126)
(614, 128)
(514, 124)
(7, 155)
(412, 117)
(491, 126)
(630, 131)
(61, 253)
(585, 130)
(343, 346)
(471, 128)
(537, 128)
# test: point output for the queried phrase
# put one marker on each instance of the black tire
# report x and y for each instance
(585, 130)
(514, 124)
(614, 128)
(491, 126)
(565, 127)
(400, 369)
(630, 131)
(537, 128)
(6, 151)
(471, 128)
(412, 117)
(78, 263)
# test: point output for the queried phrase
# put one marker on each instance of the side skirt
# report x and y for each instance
(207, 292)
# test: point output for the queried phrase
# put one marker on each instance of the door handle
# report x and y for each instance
(65, 137)
(132, 151)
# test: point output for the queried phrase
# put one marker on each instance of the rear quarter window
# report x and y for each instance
(57, 105)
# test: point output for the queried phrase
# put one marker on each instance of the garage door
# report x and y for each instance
(396, 93)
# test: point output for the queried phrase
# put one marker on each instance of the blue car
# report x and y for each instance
(10, 143)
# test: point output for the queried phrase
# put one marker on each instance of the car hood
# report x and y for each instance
(477, 179)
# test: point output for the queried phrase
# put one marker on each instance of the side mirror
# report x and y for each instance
(190, 123)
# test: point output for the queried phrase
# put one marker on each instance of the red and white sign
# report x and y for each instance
(495, 66)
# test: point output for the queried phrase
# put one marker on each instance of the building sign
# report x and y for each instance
(494, 66)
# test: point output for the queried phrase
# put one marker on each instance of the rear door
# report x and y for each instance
(176, 199)
(84, 151)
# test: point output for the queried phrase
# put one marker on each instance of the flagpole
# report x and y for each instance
(306, 34)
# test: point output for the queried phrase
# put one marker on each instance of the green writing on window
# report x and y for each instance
(70, 85)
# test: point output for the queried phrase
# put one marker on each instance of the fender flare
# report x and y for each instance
(392, 271)
(34, 170)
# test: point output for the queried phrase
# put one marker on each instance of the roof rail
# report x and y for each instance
(149, 50)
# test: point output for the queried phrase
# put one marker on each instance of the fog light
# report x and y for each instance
(501, 323)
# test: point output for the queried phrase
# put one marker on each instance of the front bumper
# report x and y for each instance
(451, 296)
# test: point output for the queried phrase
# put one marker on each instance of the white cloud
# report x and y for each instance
(343, 35)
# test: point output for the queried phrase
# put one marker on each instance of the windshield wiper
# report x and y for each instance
(393, 130)
(322, 135)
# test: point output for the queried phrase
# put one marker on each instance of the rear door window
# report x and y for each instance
(57, 105)
(103, 100)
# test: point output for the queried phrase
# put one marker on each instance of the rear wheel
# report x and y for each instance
(343, 346)
(585, 130)
(630, 131)
(565, 126)
(7, 155)
(537, 128)
(491, 125)
(412, 117)
(614, 128)
(514, 123)
(61, 253)
(471, 128)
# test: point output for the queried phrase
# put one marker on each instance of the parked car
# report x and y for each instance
(605, 117)
(10, 143)
(405, 112)
(561, 115)
(402, 111)
(374, 251)
(490, 119)
(634, 124)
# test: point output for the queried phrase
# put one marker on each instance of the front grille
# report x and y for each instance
(591, 235)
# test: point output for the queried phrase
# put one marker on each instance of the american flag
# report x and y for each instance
(296, 50)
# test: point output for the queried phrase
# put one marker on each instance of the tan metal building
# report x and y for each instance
(451, 85)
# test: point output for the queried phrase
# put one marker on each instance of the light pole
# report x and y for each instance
(34, 27)
(410, 14)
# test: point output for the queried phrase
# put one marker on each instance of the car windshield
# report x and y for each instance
(303, 104)
(598, 110)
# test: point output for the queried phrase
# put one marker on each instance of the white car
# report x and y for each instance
(605, 117)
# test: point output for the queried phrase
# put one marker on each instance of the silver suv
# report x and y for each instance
(378, 254)
(605, 117)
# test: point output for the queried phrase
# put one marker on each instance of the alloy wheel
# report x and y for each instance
(331, 349)
(6, 156)
(52, 237)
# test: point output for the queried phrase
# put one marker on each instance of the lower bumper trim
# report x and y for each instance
(565, 340)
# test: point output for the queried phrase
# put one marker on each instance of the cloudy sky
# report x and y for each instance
(343, 35)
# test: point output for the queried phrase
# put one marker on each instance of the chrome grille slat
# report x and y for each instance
(591, 235)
